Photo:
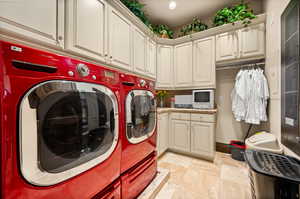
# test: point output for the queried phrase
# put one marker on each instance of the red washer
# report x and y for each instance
(139, 161)
(59, 127)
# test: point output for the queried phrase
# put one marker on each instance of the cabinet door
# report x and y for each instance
(34, 20)
(158, 137)
(163, 132)
(227, 46)
(151, 59)
(139, 51)
(203, 138)
(204, 68)
(120, 40)
(86, 28)
(252, 41)
(180, 135)
(165, 67)
(183, 65)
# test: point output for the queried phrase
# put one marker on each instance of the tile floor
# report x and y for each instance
(193, 178)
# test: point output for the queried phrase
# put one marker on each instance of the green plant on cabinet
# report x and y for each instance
(240, 12)
(195, 26)
(163, 31)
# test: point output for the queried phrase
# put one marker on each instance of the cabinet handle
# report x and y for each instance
(111, 57)
(106, 55)
(60, 38)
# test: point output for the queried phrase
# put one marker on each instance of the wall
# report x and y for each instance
(227, 127)
(274, 9)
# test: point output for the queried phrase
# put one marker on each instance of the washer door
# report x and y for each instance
(66, 128)
(140, 115)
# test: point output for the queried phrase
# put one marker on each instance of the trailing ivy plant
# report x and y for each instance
(239, 12)
(137, 9)
(195, 26)
(163, 31)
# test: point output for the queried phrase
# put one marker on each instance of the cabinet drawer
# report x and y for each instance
(162, 115)
(203, 117)
(181, 116)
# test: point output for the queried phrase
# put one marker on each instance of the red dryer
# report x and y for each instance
(59, 127)
(139, 161)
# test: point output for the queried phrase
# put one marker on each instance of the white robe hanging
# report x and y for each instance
(249, 96)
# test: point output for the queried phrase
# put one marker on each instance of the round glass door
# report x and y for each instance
(72, 127)
(140, 115)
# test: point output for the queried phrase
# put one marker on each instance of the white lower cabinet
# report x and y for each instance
(180, 135)
(203, 138)
(162, 133)
(193, 134)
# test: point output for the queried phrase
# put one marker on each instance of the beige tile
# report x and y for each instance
(167, 191)
(175, 159)
(192, 178)
(235, 174)
(176, 171)
(231, 190)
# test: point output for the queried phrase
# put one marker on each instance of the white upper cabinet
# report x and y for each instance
(86, 28)
(139, 51)
(227, 46)
(34, 20)
(203, 138)
(204, 67)
(183, 65)
(252, 41)
(120, 40)
(151, 58)
(244, 43)
(164, 66)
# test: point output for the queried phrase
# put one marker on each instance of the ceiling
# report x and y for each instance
(159, 13)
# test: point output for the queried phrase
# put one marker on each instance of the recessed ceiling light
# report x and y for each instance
(172, 5)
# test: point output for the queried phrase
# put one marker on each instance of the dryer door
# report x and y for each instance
(66, 128)
(140, 115)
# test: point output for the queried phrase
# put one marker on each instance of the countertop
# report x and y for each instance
(183, 110)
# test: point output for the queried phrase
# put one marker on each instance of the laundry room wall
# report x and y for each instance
(227, 127)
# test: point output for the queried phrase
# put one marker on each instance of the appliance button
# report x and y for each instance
(83, 70)
(94, 77)
(71, 73)
(143, 82)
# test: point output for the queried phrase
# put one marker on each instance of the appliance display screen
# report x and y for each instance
(201, 96)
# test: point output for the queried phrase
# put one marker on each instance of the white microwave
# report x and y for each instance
(203, 99)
